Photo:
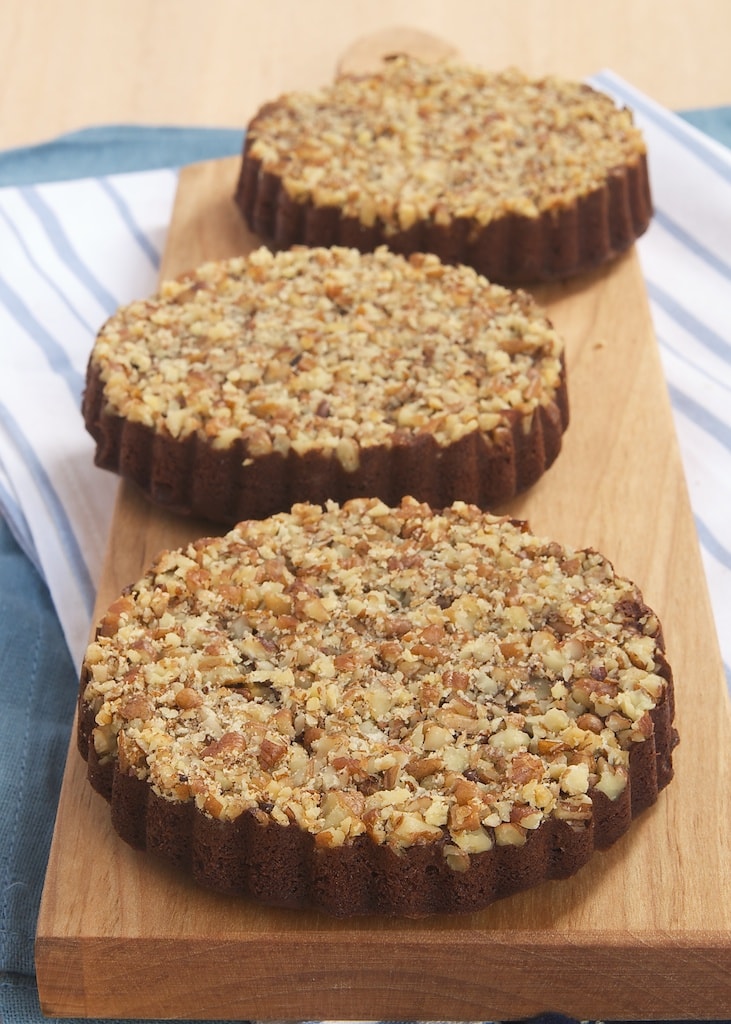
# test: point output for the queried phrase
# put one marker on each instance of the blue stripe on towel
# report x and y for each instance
(56, 355)
(60, 242)
(678, 352)
(125, 212)
(712, 544)
(701, 416)
(43, 274)
(704, 334)
(65, 531)
(691, 243)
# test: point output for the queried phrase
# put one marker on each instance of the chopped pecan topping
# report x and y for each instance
(443, 142)
(372, 708)
(360, 381)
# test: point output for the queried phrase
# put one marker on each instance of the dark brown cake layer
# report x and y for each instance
(512, 249)
(193, 477)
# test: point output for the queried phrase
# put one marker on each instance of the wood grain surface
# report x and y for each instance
(642, 932)
(65, 66)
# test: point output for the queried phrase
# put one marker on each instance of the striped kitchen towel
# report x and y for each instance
(71, 252)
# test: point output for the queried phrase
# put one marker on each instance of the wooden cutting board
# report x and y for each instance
(644, 931)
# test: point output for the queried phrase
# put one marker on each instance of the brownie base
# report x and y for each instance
(510, 250)
(192, 477)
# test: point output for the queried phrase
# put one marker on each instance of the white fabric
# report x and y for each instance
(71, 252)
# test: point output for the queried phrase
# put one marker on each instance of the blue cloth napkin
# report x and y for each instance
(38, 680)
(115, 149)
(714, 121)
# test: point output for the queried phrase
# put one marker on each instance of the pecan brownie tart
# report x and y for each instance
(373, 709)
(256, 382)
(524, 179)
